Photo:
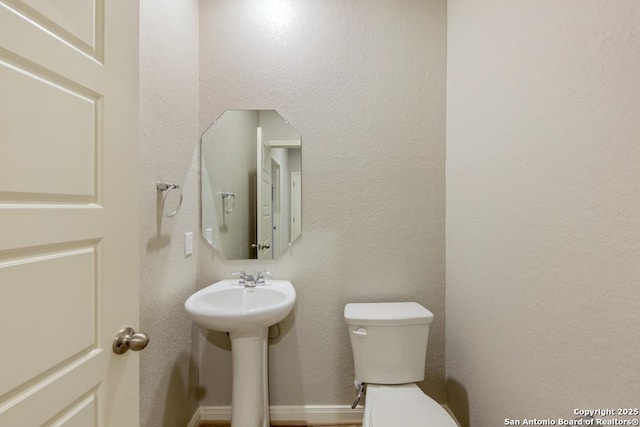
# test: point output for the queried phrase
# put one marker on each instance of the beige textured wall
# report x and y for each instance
(543, 207)
(364, 83)
(169, 136)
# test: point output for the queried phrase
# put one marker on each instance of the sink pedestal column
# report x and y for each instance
(250, 394)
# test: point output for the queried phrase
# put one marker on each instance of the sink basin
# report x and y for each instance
(226, 306)
(246, 313)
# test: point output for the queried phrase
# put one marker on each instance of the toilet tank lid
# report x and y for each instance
(387, 313)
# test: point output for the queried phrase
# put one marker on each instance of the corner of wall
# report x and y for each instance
(169, 135)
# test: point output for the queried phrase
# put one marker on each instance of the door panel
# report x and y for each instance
(29, 217)
(277, 246)
(79, 415)
(296, 205)
(73, 20)
(265, 219)
(42, 401)
(68, 211)
(60, 142)
(28, 286)
(28, 43)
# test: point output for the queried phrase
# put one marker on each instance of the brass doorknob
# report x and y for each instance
(127, 339)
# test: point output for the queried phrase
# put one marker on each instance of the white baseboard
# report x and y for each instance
(195, 420)
(317, 414)
(308, 414)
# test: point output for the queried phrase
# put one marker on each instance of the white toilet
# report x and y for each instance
(389, 342)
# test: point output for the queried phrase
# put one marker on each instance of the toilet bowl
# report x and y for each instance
(389, 343)
(403, 405)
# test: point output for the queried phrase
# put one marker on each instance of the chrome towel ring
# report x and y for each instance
(166, 188)
(228, 201)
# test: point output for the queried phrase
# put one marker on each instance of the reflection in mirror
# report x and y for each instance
(251, 176)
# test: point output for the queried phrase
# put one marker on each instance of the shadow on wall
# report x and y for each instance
(285, 377)
(458, 401)
(220, 340)
(218, 352)
(159, 241)
(178, 394)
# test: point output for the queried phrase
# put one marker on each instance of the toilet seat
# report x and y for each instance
(403, 405)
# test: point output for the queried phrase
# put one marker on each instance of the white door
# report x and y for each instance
(264, 217)
(277, 246)
(296, 205)
(68, 212)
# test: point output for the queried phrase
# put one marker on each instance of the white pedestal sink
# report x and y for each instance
(246, 313)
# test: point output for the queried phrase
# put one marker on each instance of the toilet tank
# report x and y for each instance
(389, 341)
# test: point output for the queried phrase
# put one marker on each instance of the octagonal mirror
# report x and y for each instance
(251, 184)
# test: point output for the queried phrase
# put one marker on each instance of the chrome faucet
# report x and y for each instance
(260, 279)
(248, 281)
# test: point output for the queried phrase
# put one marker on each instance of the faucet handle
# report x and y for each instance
(242, 275)
(260, 277)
